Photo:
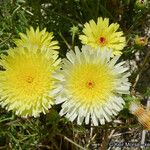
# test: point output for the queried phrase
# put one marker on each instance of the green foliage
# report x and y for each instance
(66, 19)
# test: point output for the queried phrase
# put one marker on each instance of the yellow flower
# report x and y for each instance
(103, 35)
(26, 80)
(91, 85)
(37, 39)
(141, 41)
(142, 114)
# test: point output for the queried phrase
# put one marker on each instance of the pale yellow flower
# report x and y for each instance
(37, 39)
(91, 86)
(102, 35)
(26, 80)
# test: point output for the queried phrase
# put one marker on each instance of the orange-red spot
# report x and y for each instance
(29, 79)
(90, 84)
(102, 40)
(142, 39)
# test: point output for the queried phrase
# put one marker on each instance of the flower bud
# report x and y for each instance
(142, 114)
(141, 4)
(141, 41)
(74, 30)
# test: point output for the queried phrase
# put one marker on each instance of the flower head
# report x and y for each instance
(37, 39)
(26, 80)
(91, 85)
(103, 35)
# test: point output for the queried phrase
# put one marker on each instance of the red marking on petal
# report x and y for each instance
(102, 40)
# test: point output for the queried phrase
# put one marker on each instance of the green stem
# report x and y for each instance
(69, 140)
(106, 139)
(73, 37)
(3, 42)
(139, 72)
(69, 47)
(7, 119)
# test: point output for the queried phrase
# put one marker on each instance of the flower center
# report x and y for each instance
(29, 79)
(90, 84)
(102, 40)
